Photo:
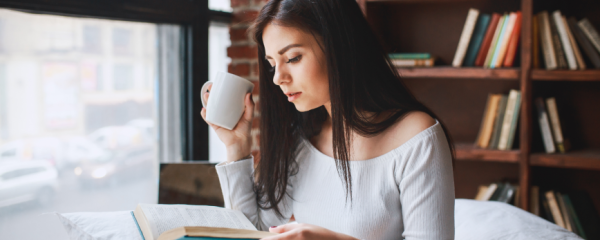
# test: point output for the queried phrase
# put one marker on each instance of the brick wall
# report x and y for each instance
(243, 54)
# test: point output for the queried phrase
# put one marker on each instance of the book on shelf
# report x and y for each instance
(465, 37)
(580, 63)
(485, 192)
(430, 62)
(572, 215)
(487, 122)
(168, 222)
(498, 122)
(487, 40)
(586, 213)
(563, 211)
(502, 44)
(534, 200)
(509, 123)
(573, 211)
(544, 125)
(490, 54)
(511, 51)
(476, 39)
(409, 55)
(546, 41)
(564, 40)
(499, 192)
(561, 61)
(584, 42)
(546, 213)
(591, 32)
(555, 123)
(554, 209)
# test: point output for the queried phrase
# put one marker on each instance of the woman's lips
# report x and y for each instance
(293, 96)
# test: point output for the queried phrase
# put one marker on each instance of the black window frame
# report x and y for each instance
(194, 16)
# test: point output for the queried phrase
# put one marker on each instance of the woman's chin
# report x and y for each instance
(304, 108)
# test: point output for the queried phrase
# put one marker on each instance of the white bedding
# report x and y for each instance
(474, 220)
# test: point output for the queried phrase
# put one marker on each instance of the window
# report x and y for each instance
(92, 39)
(58, 87)
(57, 107)
(218, 42)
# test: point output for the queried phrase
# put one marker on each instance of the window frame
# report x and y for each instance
(193, 16)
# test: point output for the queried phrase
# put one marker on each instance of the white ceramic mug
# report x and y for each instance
(226, 100)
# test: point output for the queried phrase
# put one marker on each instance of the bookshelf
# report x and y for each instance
(458, 95)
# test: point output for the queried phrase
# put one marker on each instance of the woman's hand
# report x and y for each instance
(305, 231)
(239, 140)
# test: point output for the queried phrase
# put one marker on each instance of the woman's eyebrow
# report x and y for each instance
(283, 50)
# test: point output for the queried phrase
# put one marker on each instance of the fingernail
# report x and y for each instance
(273, 226)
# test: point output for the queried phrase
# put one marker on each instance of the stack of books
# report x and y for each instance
(560, 40)
(488, 40)
(574, 211)
(499, 123)
(500, 192)
(412, 59)
(550, 125)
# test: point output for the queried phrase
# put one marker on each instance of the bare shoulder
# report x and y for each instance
(411, 125)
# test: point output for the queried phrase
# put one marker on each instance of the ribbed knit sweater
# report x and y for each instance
(405, 193)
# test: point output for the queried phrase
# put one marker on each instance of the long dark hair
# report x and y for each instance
(361, 80)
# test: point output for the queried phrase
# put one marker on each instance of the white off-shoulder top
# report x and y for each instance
(406, 193)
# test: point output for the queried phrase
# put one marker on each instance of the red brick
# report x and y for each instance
(257, 139)
(256, 89)
(240, 52)
(255, 70)
(239, 3)
(238, 34)
(256, 123)
(244, 16)
(240, 69)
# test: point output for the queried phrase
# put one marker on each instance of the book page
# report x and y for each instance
(165, 217)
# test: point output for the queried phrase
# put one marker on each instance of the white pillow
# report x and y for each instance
(100, 225)
(478, 220)
(474, 220)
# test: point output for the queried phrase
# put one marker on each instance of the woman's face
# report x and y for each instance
(299, 66)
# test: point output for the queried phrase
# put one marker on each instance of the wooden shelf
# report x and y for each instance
(565, 75)
(582, 159)
(461, 72)
(467, 151)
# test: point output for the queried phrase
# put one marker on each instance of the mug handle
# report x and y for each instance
(203, 90)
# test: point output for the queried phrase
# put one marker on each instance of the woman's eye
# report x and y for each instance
(272, 69)
(293, 60)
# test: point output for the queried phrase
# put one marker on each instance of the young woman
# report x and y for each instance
(345, 148)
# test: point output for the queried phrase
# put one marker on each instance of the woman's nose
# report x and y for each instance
(279, 77)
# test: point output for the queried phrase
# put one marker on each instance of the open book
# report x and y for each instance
(168, 222)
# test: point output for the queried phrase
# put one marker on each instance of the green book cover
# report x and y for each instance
(573, 216)
(501, 188)
(498, 123)
(476, 40)
(515, 121)
(499, 42)
(409, 55)
(488, 58)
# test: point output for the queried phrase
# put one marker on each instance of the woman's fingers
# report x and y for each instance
(249, 107)
(205, 94)
(203, 114)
